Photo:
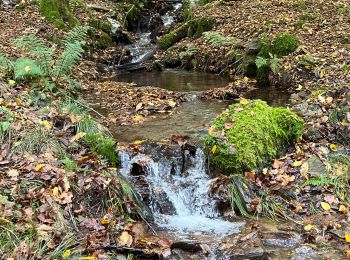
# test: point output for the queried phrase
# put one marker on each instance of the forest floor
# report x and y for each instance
(51, 176)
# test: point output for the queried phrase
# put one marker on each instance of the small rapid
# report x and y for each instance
(178, 193)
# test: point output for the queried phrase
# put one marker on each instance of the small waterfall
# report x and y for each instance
(177, 191)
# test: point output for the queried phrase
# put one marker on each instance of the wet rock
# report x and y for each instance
(305, 253)
(190, 246)
(313, 134)
(245, 193)
(253, 47)
(280, 239)
(252, 249)
(170, 62)
(316, 167)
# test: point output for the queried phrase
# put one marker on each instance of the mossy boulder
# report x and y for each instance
(285, 44)
(248, 135)
(59, 13)
(194, 27)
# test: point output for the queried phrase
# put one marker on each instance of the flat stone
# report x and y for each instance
(316, 167)
(280, 239)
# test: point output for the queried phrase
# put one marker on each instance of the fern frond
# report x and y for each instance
(5, 63)
(25, 68)
(37, 50)
(189, 52)
(71, 55)
(77, 34)
(216, 39)
(320, 181)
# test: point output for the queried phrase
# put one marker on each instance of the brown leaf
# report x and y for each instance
(125, 239)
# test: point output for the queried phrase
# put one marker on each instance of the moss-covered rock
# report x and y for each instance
(249, 134)
(58, 12)
(194, 27)
(285, 44)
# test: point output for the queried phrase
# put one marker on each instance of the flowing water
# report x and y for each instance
(179, 199)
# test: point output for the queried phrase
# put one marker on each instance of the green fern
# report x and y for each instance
(320, 181)
(189, 52)
(216, 39)
(37, 50)
(77, 34)
(25, 68)
(71, 55)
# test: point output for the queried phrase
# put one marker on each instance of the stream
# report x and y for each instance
(174, 182)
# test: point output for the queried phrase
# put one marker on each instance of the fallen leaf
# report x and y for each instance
(125, 239)
(325, 206)
(347, 237)
(308, 227)
(304, 169)
(213, 149)
(244, 101)
(13, 173)
(297, 163)
(38, 167)
(77, 137)
(342, 208)
(138, 106)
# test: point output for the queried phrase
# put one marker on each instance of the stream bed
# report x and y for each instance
(174, 183)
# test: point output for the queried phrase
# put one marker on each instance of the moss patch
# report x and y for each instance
(58, 12)
(249, 134)
(285, 44)
(194, 27)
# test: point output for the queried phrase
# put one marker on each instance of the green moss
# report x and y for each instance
(265, 47)
(285, 44)
(193, 27)
(58, 12)
(103, 40)
(101, 25)
(246, 136)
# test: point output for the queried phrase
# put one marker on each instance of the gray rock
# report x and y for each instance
(313, 134)
(316, 167)
(304, 253)
(280, 239)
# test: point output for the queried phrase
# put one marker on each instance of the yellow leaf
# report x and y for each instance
(325, 206)
(46, 124)
(212, 131)
(244, 101)
(172, 103)
(308, 227)
(342, 208)
(105, 221)
(12, 82)
(66, 254)
(347, 252)
(213, 149)
(333, 147)
(300, 87)
(77, 137)
(138, 117)
(347, 237)
(38, 167)
(55, 191)
(245, 80)
(138, 142)
(297, 163)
